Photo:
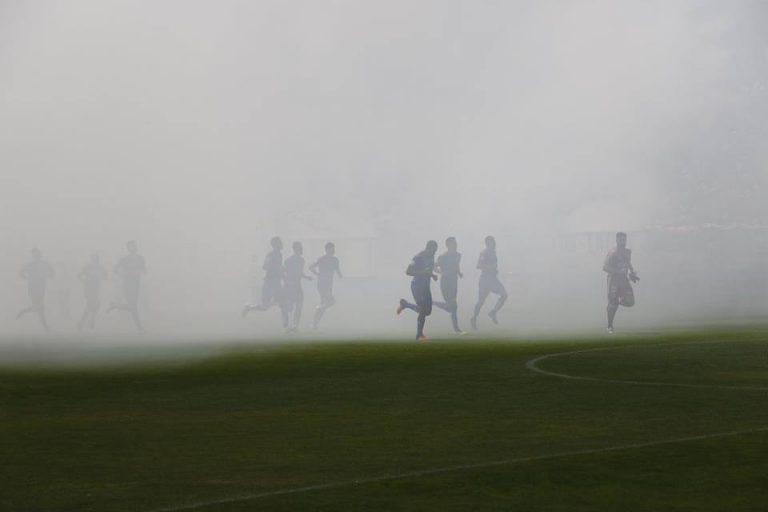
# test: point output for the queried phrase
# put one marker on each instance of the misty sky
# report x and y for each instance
(200, 117)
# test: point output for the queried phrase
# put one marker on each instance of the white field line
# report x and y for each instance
(531, 365)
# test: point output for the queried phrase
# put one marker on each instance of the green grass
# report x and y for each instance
(256, 420)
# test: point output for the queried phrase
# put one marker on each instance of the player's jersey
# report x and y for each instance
(618, 262)
(294, 269)
(424, 264)
(449, 263)
(326, 266)
(131, 267)
(488, 263)
(37, 272)
(273, 265)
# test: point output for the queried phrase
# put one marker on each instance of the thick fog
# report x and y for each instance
(201, 129)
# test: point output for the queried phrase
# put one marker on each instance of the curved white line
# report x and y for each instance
(534, 367)
(531, 365)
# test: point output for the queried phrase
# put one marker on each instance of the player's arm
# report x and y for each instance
(338, 269)
(313, 269)
(632, 274)
(458, 268)
(24, 273)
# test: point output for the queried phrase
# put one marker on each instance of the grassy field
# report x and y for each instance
(388, 426)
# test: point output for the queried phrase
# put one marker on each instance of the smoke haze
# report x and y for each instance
(201, 129)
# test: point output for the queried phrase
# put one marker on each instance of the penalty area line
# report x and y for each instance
(449, 469)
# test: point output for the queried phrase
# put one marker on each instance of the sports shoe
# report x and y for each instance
(609, 330)
(459, 333)
(401, 307)
(422, 338)
(492, 315)
(473, 323)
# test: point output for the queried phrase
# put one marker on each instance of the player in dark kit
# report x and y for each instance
(618, 266)
(449, 267)
(324, 268)
(37, 273)
(91, 276)
(422, 270)
(272, 289)
(131, 268)
(294, 293)
(489, 281)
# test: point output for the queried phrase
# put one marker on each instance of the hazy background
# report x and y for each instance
(202, 128)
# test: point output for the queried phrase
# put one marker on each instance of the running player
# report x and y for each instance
(272, 289)
(131, 268)
(91, 276)
(618, 266)
(422, 270)
(489, 281)
(324, 268)
(294, 293)
(37, 273)
(448, 266)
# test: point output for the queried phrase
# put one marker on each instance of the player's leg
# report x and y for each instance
(450, 291)
(84, 316)
(482, 294)
(497, 288)
(423, 297)
(38, 306)
(298, 306)
(96, 306)
(326, 301)
(613, 302)
(24, 311)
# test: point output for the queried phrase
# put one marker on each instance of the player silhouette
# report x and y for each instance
(36, 273)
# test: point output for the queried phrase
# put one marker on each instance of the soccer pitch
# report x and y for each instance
(633, 423)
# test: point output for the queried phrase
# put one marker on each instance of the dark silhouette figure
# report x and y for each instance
(488, 264)
(131, 268)
(449, 267)
(91, 276)
(324, 268)
(618, 266)
(294, 293)
(422, 270)
(37, 273)
(272, 292)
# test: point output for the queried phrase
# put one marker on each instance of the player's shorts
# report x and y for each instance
(325, 289)
(491, 284)
(271, 291)
(423, 296)
(37, 295)
(131, 293)
(620, 291)
(293, 293)
(449, 287)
